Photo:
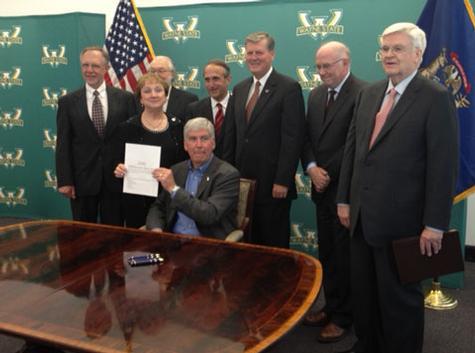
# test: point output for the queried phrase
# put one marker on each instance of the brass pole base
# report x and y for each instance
(437, 300)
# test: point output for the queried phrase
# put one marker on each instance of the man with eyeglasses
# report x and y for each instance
(177, 100)
(330, 108)
(199, 196)
(397, 180)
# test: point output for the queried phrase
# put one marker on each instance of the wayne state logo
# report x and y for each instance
(447, 69)
(9, 37)
(49, 139)
(13, 198)
(50, 179)
(50, 98)
(303, 184)
(12, 159)
(13, 264)
(308, 80)
(8, 119)
(181, 31)
(11, 78)
(320, 26)
(237, 53)
(303, 237)
(185, 80)
(54, 57)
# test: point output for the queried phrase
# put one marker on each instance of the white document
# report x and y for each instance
(140, 160)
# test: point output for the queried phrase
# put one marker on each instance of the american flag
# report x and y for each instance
(128, 47)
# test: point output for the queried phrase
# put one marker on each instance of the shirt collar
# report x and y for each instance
(264, 78)
(337, 89)
(224, 101)
(202, 168)
(401, 86)
(101, 89)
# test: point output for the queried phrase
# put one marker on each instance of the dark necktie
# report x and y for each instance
(252, 101)
(330, 100)
(218, 120)
(98, 114)
(383, 115)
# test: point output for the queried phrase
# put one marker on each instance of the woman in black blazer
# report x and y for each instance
(152, 127)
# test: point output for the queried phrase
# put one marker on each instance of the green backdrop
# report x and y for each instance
(191, 35)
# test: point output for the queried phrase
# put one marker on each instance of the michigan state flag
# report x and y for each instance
(450, 59)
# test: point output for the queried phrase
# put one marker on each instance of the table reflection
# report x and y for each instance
(207, 296)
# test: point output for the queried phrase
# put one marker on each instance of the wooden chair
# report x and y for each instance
(247, 190)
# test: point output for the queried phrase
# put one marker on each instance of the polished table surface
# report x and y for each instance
(68, 284)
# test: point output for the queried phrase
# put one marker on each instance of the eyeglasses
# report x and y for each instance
(326, 66)
(397, 49)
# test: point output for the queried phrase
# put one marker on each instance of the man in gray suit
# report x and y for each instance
(199, 196)
(397, 180)
(330, 108)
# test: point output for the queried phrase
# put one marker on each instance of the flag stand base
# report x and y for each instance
(437, 300)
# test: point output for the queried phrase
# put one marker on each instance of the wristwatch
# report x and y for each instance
(174, 189)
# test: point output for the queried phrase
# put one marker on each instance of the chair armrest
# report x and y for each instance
(235, 236)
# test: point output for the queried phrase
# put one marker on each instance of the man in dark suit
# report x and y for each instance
(86, 123)
(329, 112)
(397, 180)
(217, 77)
(199, 196)
(263, 139)
(177, 100)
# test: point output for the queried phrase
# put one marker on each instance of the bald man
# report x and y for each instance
(177, 100)
(330, 108)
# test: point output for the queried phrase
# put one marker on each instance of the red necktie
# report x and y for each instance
(252, 101)
(218, 120)
(98, 114)
(383, 115)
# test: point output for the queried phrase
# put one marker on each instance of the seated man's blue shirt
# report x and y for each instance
(184, 224)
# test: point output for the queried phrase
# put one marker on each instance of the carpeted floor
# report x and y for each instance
(451, 331)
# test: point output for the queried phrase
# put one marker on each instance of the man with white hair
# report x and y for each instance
(397, 180)
(177, 100)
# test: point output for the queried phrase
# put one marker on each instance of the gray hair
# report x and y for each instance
(256, 37)
(199, 123)
(101, 50)
(417, 35)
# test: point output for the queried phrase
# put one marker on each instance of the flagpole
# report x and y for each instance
(142, 27)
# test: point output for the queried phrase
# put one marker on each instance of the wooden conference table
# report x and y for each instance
(68, 284)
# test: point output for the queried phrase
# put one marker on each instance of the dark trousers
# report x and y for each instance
(388, 316)
(271, 223)
(104, 208)
(334, 254)
(135, 208)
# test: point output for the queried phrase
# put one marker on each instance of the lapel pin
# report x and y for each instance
(207, 178)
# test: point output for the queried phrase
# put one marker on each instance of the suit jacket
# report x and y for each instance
(178, 102)
(407, 179)
(214, 208)
(326, 136)
(268, 147)
(203, 108)
(83, 158)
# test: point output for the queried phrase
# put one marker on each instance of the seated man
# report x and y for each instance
(199, 196)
